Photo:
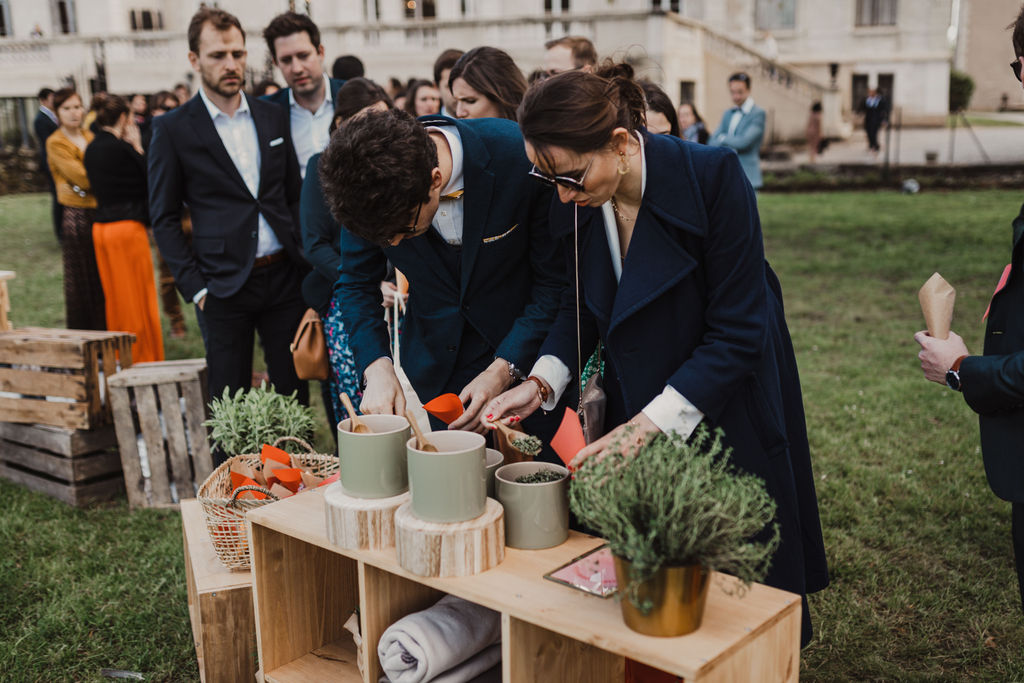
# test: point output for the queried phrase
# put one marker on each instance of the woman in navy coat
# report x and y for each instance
(674, 283)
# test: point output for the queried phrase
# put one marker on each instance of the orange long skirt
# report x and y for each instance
(126, 271)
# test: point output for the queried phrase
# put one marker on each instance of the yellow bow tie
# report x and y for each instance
(454, 195)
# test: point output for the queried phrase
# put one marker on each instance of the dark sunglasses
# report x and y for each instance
(1015, 66)
(568, 182)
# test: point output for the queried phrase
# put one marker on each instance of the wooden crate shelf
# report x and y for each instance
(219, 606)
(58, 377)
(75, 466)
(166, 402)
(304, 588)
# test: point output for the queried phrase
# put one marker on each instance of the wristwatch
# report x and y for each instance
(953, 375)
(515, 373)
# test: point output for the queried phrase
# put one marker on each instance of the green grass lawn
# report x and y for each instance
(923, 586)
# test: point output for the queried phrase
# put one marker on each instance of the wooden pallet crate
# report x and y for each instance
(165, 403)
(75, 466)
(58, 377)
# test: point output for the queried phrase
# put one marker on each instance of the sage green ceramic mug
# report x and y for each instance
(450, 485)
(536, 515)
(374, 465)
(495, 459)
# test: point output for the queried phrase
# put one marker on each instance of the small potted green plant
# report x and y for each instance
(242, 423)
(672, 513)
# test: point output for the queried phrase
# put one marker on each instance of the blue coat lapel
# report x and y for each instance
(657, 259)
(207, 133)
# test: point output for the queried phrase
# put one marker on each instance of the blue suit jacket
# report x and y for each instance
(281, 96)
(512, 273)
(188, 164)
(746, 141)
(698, 308)
(993, 384)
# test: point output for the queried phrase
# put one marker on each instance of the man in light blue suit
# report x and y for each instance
(742, 128)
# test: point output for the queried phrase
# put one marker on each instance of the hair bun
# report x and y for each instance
(612, 70)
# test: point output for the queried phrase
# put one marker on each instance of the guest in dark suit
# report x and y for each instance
(44, 125)
(674, 283)
(876, 114)
(321, 239)
(993, 383)
(294, 43)
(230, 159)
(450, 204)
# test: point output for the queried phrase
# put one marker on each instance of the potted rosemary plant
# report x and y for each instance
(673, 513)
(244, 422)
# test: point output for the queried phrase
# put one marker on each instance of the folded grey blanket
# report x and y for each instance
(452, 642)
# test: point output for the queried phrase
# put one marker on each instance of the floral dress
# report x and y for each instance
(343, 377)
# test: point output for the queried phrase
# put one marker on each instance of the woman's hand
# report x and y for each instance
(518, 402)
(389, 291)
(626, 439)
(132, 136)
(478, 394)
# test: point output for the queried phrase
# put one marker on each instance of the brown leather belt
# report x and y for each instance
(269, 259)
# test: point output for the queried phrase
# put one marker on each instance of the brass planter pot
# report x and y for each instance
(677, 593)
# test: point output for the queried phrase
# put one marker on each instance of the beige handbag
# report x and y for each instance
(309, 348)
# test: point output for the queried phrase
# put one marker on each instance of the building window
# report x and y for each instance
(876, 12)
(5, 19)
(687, 92)
(858, 91)
(63, 12)
(146, 20)
(420, 9)
(773, 15)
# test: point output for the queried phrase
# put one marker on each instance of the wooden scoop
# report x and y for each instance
(510, 435)
(421, 442)
(356, 425)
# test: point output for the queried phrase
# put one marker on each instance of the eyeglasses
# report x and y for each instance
(409, 231)
(568, 182)
(1015, 66)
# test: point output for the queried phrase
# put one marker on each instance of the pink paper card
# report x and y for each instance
(592, 573)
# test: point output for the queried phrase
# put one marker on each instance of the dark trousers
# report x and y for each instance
(1017, 512)
(269, 303)
(872, 130)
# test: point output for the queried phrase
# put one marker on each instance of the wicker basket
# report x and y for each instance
(225, 512)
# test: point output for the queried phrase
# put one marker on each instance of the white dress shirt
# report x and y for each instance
(739, 113)
(238, 133)
(310, 129)
(448, 220)
(669, 410)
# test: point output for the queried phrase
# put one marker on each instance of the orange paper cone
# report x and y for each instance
(331, 479)
(568, 440)
(275, 454)
(281, 491)
(290, 477)
(446, 407)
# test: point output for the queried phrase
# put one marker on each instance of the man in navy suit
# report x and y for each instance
(993, 383)
(742, 128)
(230, 159)
(451, 205)
(294, 43)
(44, 125)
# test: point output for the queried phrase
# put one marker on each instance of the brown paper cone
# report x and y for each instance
(937, 298)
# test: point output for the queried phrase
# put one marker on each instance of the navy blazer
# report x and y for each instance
(44, 127)
(188, 164)
(280, 97)
(698, 308)
(512, 273)
(993, 384)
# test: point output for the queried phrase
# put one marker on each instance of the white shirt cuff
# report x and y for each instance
(199, 296)
(672, 412)
(553, 371)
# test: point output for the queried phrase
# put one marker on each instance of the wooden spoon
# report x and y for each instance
(421, 441)
(356, 425)
(511, 435)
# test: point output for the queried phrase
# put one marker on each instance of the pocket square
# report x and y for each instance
(276, 141)
(495, 238)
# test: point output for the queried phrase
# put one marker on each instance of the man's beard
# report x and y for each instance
(224, 89)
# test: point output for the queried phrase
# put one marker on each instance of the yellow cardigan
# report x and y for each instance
(67, 166)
